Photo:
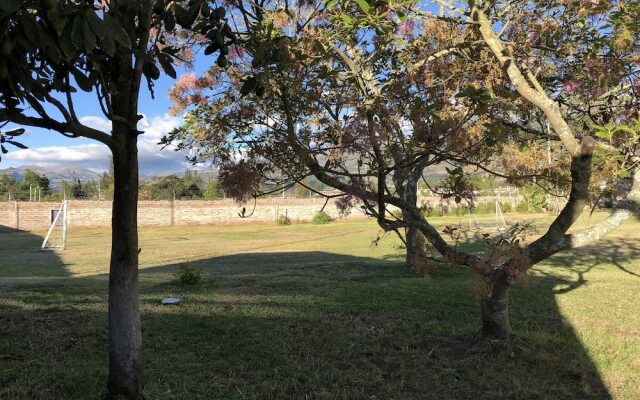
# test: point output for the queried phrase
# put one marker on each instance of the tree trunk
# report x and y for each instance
(125, 338)
(411, 196)
(494, 307)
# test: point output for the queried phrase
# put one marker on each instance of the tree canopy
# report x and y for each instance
(364, 96)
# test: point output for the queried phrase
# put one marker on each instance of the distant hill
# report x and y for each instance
(55, 175)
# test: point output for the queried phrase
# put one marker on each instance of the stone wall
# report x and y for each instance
(84, 214)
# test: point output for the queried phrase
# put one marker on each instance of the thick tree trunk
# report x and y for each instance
(494, 308)
(125, 339)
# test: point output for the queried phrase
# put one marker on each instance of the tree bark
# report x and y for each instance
(125, 338)
(494, 308)
(411, 196)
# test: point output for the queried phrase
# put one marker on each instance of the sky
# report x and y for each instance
(49, 149)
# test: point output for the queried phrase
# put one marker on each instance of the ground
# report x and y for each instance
(317, 312)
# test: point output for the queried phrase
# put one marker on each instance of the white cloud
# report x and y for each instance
(98, 123)
(95, 156)
(90, 156)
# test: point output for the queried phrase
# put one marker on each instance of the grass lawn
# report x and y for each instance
(317, 312)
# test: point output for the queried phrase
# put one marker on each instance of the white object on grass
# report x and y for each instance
(170, 300)
(57, 235)
(501, 224)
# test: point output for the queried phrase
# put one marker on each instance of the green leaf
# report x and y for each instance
(624, 174)
(166, 62)
(117, 31)
(83, 82)
(624, 128)
(32, 32)
(51, 50)
(66, 44)
(10, 6)
(150, 70)
(347, 19)
(17, 144)
(89, 41)
(192, 14)
(96, 24)
(77, 32)
(248, 86)
(364, 5)
(169, 21)
(107, 45)
(57, 21)
(604, 134)
(212, 48)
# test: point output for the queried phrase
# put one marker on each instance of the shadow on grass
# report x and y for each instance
(291, 326)
(21, 257)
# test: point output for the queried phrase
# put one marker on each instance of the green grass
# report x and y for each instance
(317, 312)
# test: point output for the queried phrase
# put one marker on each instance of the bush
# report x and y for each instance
(283, 220)
(485, 208)
(187, 275)
(522, 207)
(321, 218)
(431, 211)
(506, 207)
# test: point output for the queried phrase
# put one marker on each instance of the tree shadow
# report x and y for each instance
(21, 257)
(292, 326)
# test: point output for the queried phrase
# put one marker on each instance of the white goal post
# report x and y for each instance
(501, 224)
(56, 238)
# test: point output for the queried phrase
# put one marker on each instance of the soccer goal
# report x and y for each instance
(56, 238)
(501, 224)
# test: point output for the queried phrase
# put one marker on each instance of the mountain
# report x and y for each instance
(55, 175)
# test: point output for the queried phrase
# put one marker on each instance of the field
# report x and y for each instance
(317, 312)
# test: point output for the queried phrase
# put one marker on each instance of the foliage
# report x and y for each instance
(50, 51)
(214, 190)
(169, 187)
(364, 97)
(321, 218)
(283, 220)
(188, 275)
(8, 184)
(8, 137)
(535, 199)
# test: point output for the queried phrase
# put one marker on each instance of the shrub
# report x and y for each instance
(283, 220)
(522, 207)
(321, 218)
(506, 207)
(431, 211)
(187, 275)
(485, 208)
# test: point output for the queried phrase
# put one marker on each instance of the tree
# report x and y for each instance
(214, 191)
(65, 190)
(303, 189)
(8, 185)
(33, 184)
(192, 184)
(364, 97)
(50, 49)
(167, 188)
(77, 190)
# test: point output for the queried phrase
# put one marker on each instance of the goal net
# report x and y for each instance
(501, 224)
(56, 238)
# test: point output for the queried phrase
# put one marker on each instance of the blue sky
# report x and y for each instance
(50, 149)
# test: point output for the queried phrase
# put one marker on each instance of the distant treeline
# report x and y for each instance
(190, 186)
